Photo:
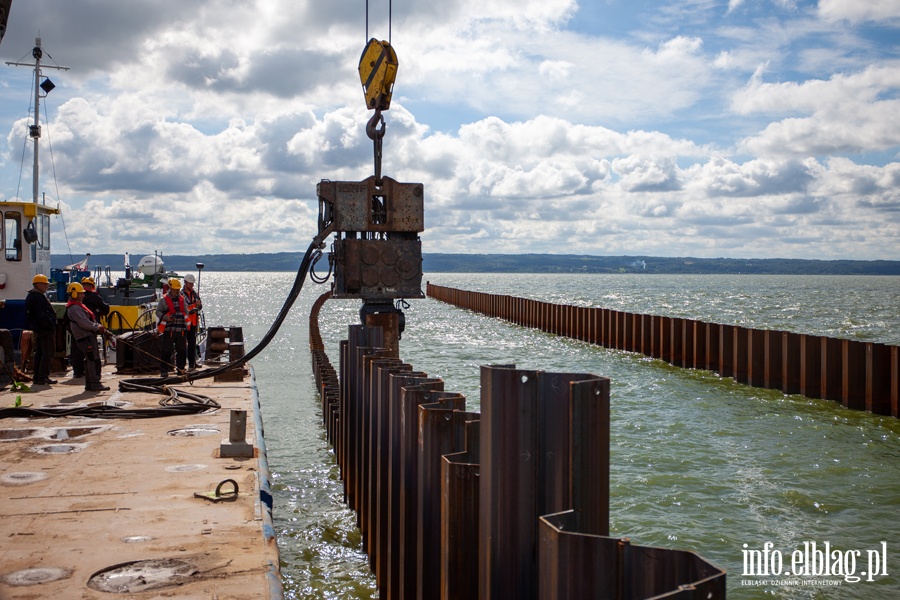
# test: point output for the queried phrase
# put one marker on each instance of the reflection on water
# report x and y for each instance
(698, 462)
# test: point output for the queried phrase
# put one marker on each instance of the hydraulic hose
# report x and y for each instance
(141, 384)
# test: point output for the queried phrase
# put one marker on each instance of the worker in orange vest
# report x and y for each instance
(172, 314)
(194, 306)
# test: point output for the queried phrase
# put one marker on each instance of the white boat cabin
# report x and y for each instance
(25, 231)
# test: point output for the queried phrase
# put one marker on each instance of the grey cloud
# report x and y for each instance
(92, 36)
(131, 212)
(886, 202)
(760, 179)
(301, 186)
(283, 72)
(799, 240)
(669, 184)
(197, 71)
(802, 205)
(717, 219)
(96, 167)
(236, 183)
(438, 167)
(274, 136)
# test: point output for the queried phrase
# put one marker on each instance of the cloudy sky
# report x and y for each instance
(709, 128)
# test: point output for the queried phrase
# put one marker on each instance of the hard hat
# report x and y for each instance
(175, 284)
(40, 279)
(87, 281)
(190, 278)
(74, 288)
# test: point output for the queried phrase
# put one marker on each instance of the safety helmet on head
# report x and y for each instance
(175, 284)
(87, 281)
(190, 278)
(73, 289)
(40, 279)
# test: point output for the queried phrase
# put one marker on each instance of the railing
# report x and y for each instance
(859, 375)
(512, 502)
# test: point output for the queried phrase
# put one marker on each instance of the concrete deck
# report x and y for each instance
(81, 495)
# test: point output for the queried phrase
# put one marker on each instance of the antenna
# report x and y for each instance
(46, 86)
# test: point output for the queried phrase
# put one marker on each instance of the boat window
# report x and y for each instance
(44, 231)
(12, 237)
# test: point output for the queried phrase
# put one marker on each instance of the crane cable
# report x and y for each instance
(390, 18)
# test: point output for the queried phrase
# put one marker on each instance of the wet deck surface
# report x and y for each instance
(80, 495)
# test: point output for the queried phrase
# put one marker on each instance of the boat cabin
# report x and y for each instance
(25, 231)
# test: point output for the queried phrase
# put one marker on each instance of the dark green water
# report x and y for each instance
(698, 462)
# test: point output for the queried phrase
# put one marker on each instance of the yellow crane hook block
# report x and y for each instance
(377, 71)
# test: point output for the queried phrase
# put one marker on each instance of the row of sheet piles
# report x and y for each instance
(512, 502)
(860, 375)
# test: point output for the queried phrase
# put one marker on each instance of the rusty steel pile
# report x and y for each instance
(860, 375)
(512, 502)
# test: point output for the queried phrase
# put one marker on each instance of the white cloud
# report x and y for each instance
(859, 10)
(846, 113)
(678, 48)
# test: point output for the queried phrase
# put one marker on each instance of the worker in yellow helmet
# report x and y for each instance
(172, 313)
(40, 318)
(85, 328)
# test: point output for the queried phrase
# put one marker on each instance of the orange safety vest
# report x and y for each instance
(177, 320)
(192, 319)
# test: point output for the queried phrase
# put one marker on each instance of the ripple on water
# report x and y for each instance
(700, 458)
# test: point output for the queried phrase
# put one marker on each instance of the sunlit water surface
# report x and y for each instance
(698, 462)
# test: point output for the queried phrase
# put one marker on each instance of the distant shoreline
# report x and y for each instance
(525, 263)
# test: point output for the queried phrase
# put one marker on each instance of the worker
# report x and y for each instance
(172, 314)
(93, 300)
(194, 306)
(99, 307)
(85, 329)
(40, 318)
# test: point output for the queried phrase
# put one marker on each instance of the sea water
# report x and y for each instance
(698, 462)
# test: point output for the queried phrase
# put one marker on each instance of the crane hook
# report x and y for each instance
(372, 129)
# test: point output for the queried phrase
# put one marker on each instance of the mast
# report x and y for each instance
(34, 131)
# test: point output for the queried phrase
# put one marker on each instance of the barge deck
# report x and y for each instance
(97, 505)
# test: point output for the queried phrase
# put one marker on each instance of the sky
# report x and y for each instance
(704, 128)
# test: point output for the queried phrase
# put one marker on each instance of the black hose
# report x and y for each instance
(141, 384)
(110, 412)
(172, 405)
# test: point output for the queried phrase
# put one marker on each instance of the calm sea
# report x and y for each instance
(698, 462)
